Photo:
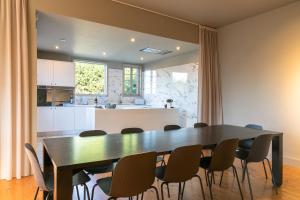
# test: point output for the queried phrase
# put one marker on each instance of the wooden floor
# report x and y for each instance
(24, 189)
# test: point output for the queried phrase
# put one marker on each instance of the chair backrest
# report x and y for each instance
(171, 127)
(260, 148)
(254, 126)
(92, 133)
(133, 175)
(131, 130)
(200, 125)
(223, 155)
(183, 163)
(35, 166)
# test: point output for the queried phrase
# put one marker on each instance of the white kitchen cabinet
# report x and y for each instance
(45, 119)
(64, 118)
(81, 118)
(64, 74)
(55, 73)
(44, 72)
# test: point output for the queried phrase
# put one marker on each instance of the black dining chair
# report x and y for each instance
(221, 160)
(160, 159)
(182, 166)
(45, 182)
(247, 144)
(101, 169)
(258, 153)
(131, 130)
(171, 127)
(133, 176)
(200, 125)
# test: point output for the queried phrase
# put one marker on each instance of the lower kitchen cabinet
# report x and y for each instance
(55, 119)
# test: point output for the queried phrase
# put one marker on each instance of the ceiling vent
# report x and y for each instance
(155, 51)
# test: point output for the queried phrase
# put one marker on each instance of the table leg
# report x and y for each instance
(62, 183)
(277, 159)
(47, 167)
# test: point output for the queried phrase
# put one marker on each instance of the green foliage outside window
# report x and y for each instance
(131, 81)
(90, 78)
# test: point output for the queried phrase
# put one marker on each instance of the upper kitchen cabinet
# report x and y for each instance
(44, 72)
(55, 73)
(64, 73)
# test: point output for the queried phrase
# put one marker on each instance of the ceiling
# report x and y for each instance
(213, 13)
(84, 39)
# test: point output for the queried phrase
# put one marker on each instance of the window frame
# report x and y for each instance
(139, 85)
(105, 93)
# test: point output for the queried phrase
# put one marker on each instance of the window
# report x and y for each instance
(150, 82)
(90, 78)
(131, 80)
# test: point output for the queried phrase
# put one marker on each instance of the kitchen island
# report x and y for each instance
(147, 118)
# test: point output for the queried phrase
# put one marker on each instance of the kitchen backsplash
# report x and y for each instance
(114, 91)
(179, 83)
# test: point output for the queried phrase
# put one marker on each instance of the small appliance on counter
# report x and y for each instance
(139, 101)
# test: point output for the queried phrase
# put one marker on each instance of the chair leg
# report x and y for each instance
(222, 178)
(162, 190)
(203, 195)
(238, 181)
(249, 183)
(206, 178)
(36, 193)
(265, 169)
(93, 190)
(48, 195)
(182, 190)
(244, 172)
(273, 182)
(168, 190)
(87, 191)
(179, 191)
(156, 191)
(77, 191)
(210, 185)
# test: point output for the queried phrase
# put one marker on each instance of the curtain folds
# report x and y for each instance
(14, 89)
(211, 110)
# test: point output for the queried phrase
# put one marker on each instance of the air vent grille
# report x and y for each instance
(155, 51)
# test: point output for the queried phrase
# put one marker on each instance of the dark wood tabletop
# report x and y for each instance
(79, 152)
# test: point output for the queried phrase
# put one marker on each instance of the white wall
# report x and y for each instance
(260, 63)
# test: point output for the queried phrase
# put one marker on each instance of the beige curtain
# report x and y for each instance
(210, 97)
(14, 89)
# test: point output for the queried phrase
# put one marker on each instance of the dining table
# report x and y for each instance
(64, 156)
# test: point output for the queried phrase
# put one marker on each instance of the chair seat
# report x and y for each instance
(246, 144)
(77, 179)
(80, 178)
(160, 172)
(242, 153)
(205, 162)
(100, 169)
(105, 184)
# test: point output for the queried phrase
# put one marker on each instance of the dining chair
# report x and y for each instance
(131, 130)
(258, 153)
(171, 127)
(247, 144)
(200, 125)
(45, 182)
(182, 166)
(105, 168)
(221, 160)
(160, 159)
(133, 175)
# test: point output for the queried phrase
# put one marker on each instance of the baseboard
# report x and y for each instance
(287, 160)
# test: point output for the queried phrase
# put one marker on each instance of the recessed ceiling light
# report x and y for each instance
(56, 47)
(178, 48)
(63, 40)
(104, 53)
(132, 40)
(142, 58)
